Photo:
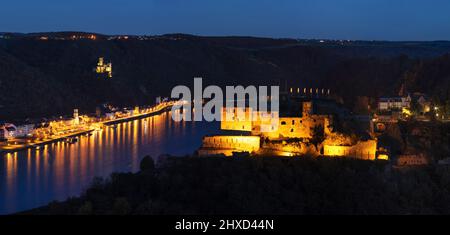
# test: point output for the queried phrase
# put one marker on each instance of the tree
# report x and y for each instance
(121, 206)
(147, 164)
(86, 209)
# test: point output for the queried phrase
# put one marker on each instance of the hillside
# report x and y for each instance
(51, 77)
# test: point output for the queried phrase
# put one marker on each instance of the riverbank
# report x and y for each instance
(27, 143)
(38, 144)
(139, 116)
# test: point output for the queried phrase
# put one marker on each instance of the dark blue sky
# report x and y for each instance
(333, 19)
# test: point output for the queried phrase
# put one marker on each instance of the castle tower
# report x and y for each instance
(307, 108)
(100, 66)
(100, 61)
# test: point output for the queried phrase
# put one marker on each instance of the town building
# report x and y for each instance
(10, 131)
(394, 103)
(423, 103)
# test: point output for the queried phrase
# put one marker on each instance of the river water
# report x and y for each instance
(33, 178)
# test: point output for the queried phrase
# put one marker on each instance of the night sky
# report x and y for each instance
(324, 19)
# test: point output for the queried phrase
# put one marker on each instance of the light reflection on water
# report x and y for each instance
(32, 178)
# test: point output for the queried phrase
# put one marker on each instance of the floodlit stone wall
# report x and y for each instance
(361, 150)
(229, 144)
(301, 127)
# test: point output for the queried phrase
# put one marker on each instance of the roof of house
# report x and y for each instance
(390, 99)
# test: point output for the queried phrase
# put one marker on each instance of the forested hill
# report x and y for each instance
(264, 186)
(42, 75)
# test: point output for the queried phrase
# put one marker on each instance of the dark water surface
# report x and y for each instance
(33, 178)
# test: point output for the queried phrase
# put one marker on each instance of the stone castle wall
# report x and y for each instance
(362, 150)
(213, 145)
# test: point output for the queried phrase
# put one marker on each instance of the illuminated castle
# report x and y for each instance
(279, 128)
(103, 67)
(294, 134)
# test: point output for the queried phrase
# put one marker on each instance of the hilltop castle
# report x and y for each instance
(299, 128)
(103, 67)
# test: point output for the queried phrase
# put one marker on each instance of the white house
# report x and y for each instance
(7, 131)
(394, 103)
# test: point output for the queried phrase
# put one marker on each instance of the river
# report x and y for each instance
(33, 178)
